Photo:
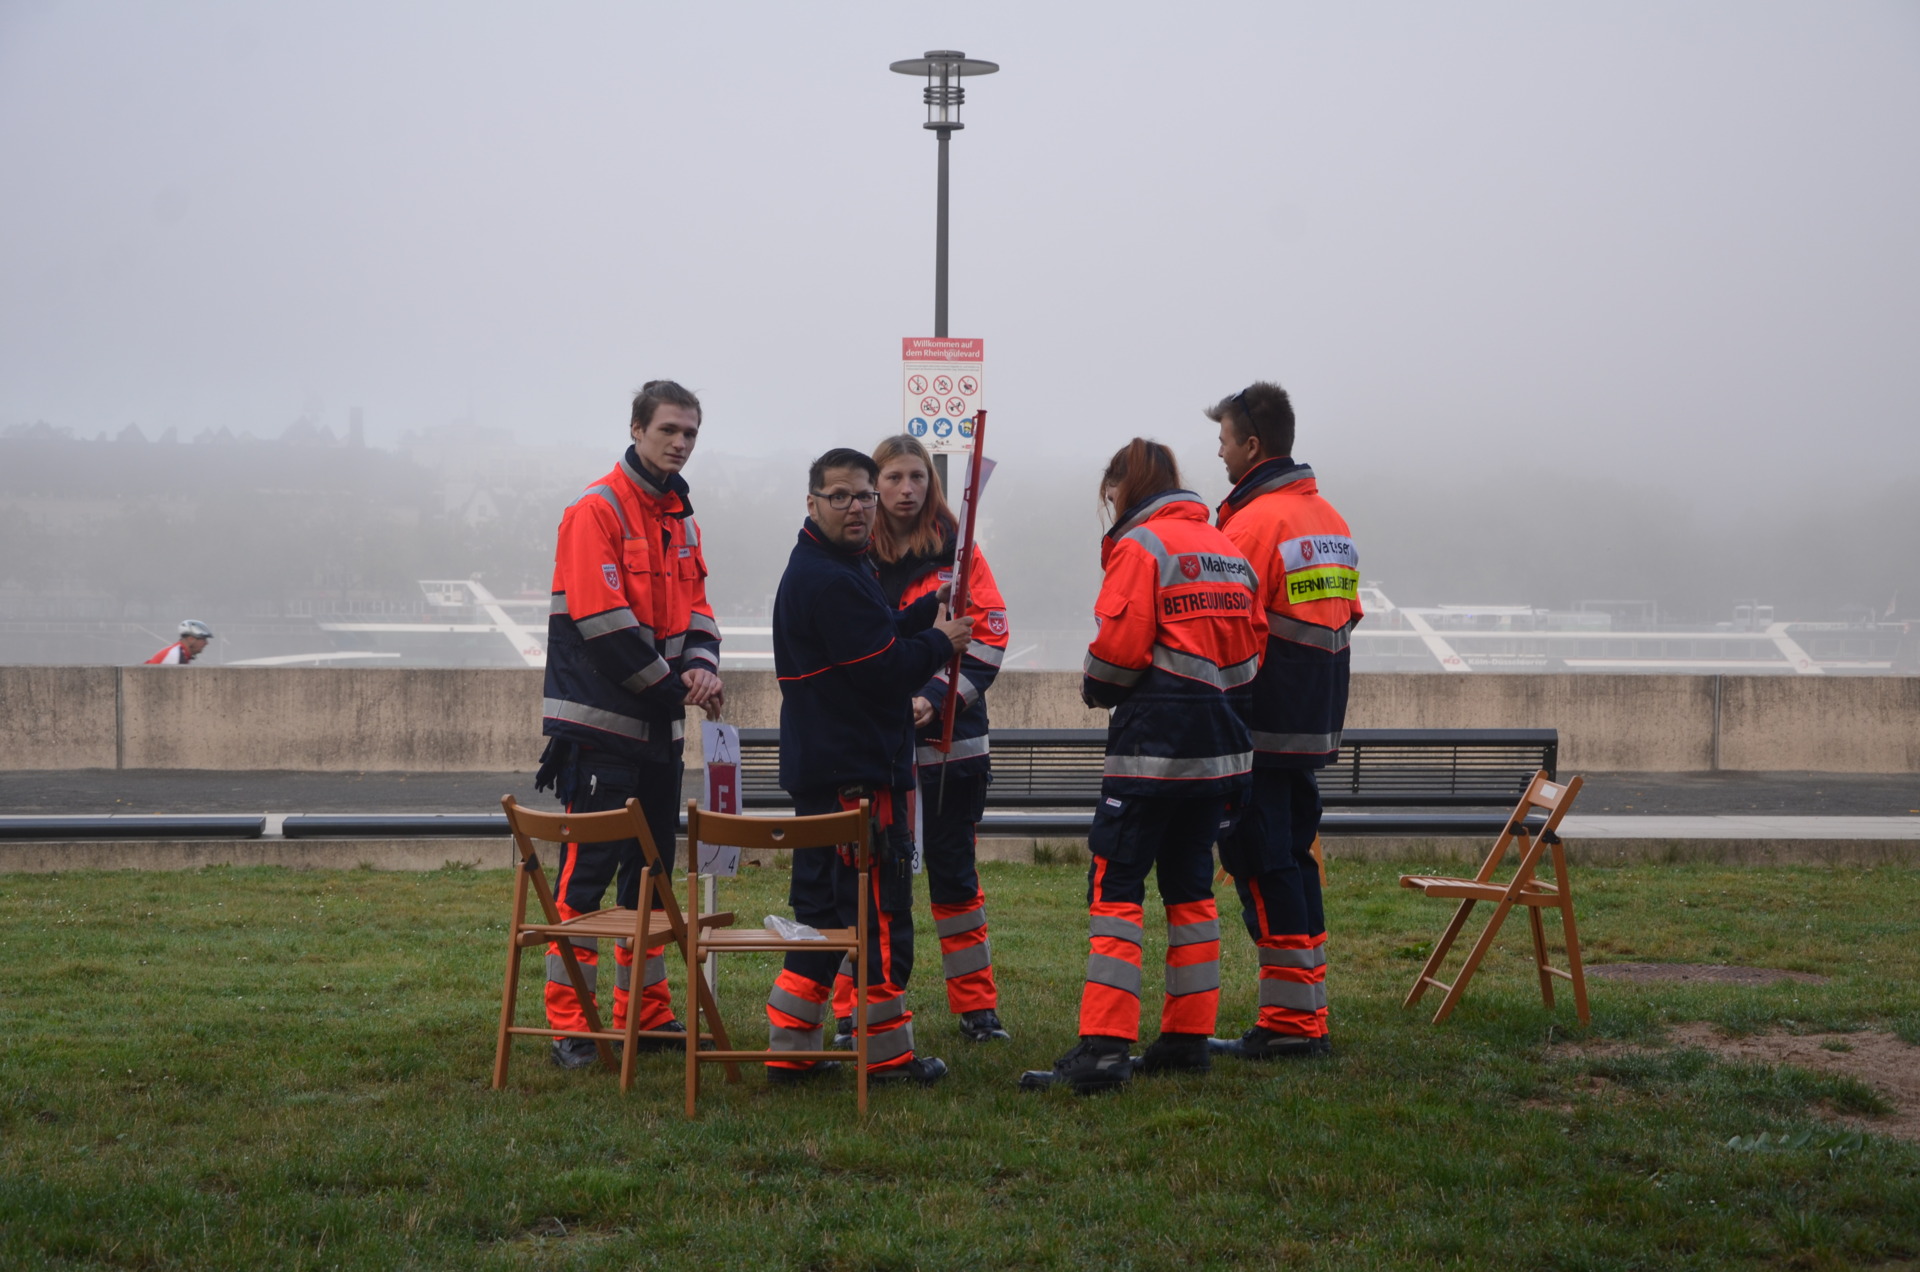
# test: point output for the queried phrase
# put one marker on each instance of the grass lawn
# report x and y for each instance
(263, 1068)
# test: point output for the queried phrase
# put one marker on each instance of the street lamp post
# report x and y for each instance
(943, 70)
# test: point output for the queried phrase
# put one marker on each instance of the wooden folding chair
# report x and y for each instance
(643, 926)
(1522, 890)
(781, 834)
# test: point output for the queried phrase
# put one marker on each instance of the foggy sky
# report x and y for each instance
(1670, 243)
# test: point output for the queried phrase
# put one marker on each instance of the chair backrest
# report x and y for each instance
(1543, 792)
(578, 828)
(782, 834)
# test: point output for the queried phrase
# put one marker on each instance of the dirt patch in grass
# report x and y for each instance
(1714, 973)
(1879, 1060)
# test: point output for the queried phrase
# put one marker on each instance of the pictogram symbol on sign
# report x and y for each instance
(942, 385)
(969, 385)
(930, 406)
(942, 426)
(917, 426)
(955, 406)
(966, 427)
(916, 384)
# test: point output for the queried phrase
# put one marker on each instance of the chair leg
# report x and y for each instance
(701, 1001)
(1479, 951)
(508, 996)
(1439, 955)
(1575, 970)
(1540, 955)
(703, 995)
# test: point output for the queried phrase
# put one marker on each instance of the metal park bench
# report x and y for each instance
(1058, 770)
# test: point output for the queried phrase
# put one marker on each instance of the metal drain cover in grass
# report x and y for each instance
(1699, 973)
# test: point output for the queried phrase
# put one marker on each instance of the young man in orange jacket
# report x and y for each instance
(631, 644)
(1310, 592)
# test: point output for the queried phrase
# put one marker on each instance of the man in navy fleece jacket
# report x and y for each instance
(849, 666)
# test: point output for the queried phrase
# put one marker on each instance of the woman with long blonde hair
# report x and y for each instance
(913, 549)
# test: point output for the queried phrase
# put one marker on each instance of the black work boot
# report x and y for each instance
(1176, 1053)
(843, 1032)
(923, 1070)
(779, 1076)
(643, 1045)
(1097, 1064)
(1265, 1044)
(574, 1053)
(982, 1026)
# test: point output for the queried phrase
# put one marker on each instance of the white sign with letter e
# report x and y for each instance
(942, 384)
(721, 745)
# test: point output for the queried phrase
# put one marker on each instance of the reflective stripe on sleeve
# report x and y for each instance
(1112, 673)
(1178, 768)
(991, 655)
(557, 604)
(648, 676)
(969, 692)
(613, 620)
(613, 502)
(698, 622)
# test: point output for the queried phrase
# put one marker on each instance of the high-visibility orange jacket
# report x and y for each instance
(629, 615)
(906, 581)
(1309, 601)
(174, 655)
(1177, 648)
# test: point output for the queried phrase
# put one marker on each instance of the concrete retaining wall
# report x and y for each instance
(435, 720)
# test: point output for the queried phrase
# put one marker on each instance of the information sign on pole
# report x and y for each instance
(721, 743)
(942, 381)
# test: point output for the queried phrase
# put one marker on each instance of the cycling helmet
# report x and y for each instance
(194, 627)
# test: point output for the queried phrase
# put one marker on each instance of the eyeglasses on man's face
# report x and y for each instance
(839, 499)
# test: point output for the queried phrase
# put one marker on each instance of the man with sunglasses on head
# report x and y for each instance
(1309, 587)
(631, 644)
(849, 666)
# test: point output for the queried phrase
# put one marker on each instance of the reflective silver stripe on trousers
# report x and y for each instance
(613, 502)
(1116, 973)
(557, 973)
(614, 620)
(1101, 669)
(656, 970)
(698, 622)
(881, 1012)
(1331, 639)
(963, 748)
(1179, 767)
(1112, 925)
(558, 603)
(1296, 743)
(991, 655)
(595, 718)
(955, 924)
(1193, 933)
(1304, 959)
(890, 1045)
(972, 958)
(1293, 995)
(793, 1005)
(1194, 978)
(781, 1038)
(648, 676)
(1194, 667)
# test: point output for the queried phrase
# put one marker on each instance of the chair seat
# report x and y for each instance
(1473, 889)
(766, 939)
(618, 923)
